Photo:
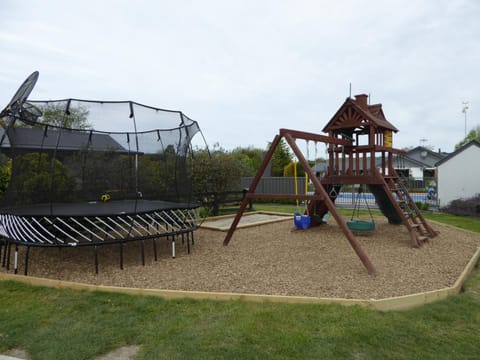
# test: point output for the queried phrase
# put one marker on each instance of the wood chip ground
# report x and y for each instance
(273, 259)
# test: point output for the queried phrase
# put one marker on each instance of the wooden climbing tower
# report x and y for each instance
(369, 160)
(359, 152)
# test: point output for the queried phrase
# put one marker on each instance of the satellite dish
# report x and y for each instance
(424, 153)
(14, 107)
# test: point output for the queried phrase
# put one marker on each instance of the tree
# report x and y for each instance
(215, 171)
(39, 180)
(474, 134)
(250, 158)
(5, 173)
(281, 158)
(54, 114)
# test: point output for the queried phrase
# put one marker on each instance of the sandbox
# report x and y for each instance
(274, 262)
(223, 223)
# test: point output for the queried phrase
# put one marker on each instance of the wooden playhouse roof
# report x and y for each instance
(358, 113)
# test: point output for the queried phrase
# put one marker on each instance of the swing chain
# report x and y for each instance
(356, 207)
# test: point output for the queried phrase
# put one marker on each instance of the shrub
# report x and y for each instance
(34, 182)
(464, 207)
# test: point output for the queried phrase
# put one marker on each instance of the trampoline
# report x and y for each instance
(71, 183)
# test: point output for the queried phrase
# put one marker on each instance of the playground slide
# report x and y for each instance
(319, 209)
(385, 205)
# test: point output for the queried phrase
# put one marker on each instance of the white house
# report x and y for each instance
(459, 174)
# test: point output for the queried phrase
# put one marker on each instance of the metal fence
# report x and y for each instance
(275, 185)
(346, 198)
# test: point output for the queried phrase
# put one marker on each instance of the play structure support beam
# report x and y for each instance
(285, 196)
(331, 206)
(252, 188)
(314, 137)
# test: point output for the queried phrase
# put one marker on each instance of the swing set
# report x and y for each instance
(349, 163)
(319, 194)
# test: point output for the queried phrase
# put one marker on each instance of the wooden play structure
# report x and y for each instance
(359, 152)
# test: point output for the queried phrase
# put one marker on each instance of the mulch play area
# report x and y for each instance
(274, 259)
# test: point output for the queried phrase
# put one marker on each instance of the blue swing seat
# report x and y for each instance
(301, 221)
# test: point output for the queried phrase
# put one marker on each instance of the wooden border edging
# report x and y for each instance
(387, 304)
(247, 225)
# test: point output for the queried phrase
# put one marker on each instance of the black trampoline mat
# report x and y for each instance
(97, 208)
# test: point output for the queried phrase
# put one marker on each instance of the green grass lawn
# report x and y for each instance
(69, 324)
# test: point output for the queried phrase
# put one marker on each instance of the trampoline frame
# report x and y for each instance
(96, 230)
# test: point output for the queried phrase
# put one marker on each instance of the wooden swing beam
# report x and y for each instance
(319, 195)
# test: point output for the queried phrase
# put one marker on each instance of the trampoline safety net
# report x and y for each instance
(82, 172)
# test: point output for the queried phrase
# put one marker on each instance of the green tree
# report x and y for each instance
(5, 174)
(281, 158)
(215, 171)
(35, 182)
(250, 158)
(213, 174)
(76, 118)
(474, 134)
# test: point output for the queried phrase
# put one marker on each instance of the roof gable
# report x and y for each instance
(357, 113)
(426, 156)
(408, 162)
(458, 151)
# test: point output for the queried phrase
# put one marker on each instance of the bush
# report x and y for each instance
(464, 207)
(33, 182)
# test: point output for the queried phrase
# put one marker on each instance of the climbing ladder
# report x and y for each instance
(419, 229)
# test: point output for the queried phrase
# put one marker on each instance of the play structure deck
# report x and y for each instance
(359, 152)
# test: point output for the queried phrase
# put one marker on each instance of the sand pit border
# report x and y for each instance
(209, 223)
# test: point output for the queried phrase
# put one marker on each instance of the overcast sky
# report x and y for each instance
(244, 69)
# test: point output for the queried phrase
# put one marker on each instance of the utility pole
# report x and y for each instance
(464, 110)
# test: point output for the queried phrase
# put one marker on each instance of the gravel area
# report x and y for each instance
(274, 259)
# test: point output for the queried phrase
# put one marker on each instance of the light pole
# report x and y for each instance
(464, 110)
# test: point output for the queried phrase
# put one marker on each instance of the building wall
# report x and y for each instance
(458, 178)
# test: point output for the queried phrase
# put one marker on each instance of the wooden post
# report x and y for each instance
(331, 207)
(357, 163)
(252, 188)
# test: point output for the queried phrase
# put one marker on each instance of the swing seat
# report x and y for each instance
(361, 225)
(301, 221)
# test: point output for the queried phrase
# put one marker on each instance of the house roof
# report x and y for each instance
(36, 139)
(356, 112)
(458, 151)
(411, 161)
(425, 156)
